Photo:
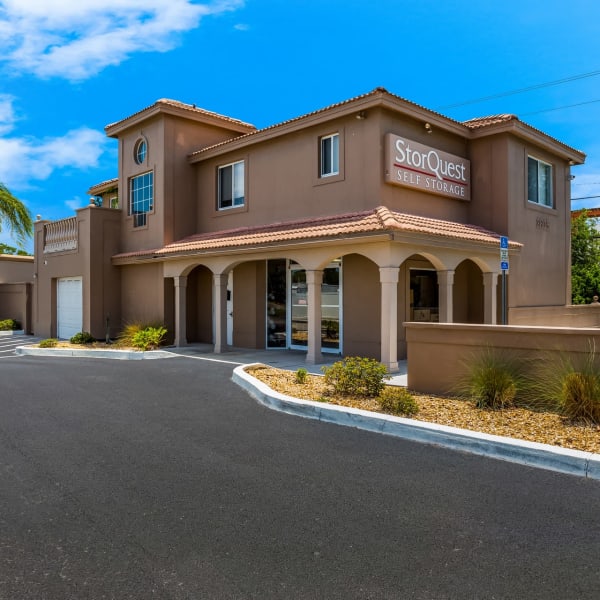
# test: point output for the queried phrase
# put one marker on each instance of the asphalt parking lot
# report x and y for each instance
(163, 479)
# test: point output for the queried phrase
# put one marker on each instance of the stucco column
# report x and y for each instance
(490, 303)
(180, 310)
(388, 277)
(314, 279)
(445, 285)
(220, 312)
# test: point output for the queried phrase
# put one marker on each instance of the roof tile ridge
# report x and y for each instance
(387, 217)
(300, 224)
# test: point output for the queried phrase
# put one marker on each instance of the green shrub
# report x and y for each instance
(397, 401)
(301, 375)
(9, 325)
(356, 376)
(149, 338)
(492, 380)
(83, 337)
(49, 343)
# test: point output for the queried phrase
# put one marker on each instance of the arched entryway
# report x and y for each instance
(468, 293)
(199, 325)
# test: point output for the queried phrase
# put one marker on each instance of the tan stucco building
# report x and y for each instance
(324, 233)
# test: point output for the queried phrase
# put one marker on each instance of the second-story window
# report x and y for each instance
(141, 198)
(539, 182)
(330, 155)
(231, 186)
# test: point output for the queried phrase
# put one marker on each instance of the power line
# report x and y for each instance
(584, 198)
(522, 90)
(537, 112)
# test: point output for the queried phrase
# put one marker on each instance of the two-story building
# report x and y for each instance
(322, 233)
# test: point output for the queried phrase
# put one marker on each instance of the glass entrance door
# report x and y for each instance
(330, 309)
(299, 308)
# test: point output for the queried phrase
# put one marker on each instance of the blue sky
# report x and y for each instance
(70, 67)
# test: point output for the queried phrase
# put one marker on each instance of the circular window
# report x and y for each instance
(141, 149)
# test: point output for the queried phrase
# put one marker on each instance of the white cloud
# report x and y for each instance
(7, 113)
(75, 39)
(23, 160)
(76, 203)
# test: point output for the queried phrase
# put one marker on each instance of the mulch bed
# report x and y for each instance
(520, 423)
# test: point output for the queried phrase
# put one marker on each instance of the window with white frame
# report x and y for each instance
(231, 186)
(141, 198)
(330, 155)
(539, 182)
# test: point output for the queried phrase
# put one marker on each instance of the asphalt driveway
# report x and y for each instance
(163, 479)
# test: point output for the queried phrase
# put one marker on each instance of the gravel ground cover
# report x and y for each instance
(520, 423)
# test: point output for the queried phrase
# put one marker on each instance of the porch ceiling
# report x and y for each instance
(374, 222)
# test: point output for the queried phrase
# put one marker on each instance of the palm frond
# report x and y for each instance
(16, 215)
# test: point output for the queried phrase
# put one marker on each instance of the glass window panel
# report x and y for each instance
(539, 182)
(238, 184)
(141, 197)
(335, 154)
(276, 304)
(231, 186)
(330, 155)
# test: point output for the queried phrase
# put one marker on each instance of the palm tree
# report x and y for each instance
(16, 215)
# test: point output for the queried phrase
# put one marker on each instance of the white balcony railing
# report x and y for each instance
(60, 235)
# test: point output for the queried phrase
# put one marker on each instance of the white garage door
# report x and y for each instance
(69, 307)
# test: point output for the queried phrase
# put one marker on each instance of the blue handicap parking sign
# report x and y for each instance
(503, 241)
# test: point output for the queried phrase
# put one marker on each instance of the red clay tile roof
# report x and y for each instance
(478, 122)
(379, 220)
(482, 122)
(182, 106)
(471, 124)
(104, 185)
(377, 91)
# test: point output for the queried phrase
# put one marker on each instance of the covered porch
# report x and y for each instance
(379, 253)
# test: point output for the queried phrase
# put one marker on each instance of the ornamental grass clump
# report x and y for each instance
(569, 384)
(356, 376)
(492, 379)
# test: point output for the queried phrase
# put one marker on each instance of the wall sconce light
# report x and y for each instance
(361, 115)
(428, 128)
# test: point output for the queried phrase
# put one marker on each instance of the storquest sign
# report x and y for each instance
(415, 165)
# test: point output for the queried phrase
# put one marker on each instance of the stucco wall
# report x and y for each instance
(16, 269)
(97, 240)
(249, 297)
(362, 307)
(142, 294)
(575, 315)
(15, 303)
(438, 353)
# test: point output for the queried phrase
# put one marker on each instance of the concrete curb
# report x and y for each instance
(12, 332)
(533, 454)
(94, 353)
